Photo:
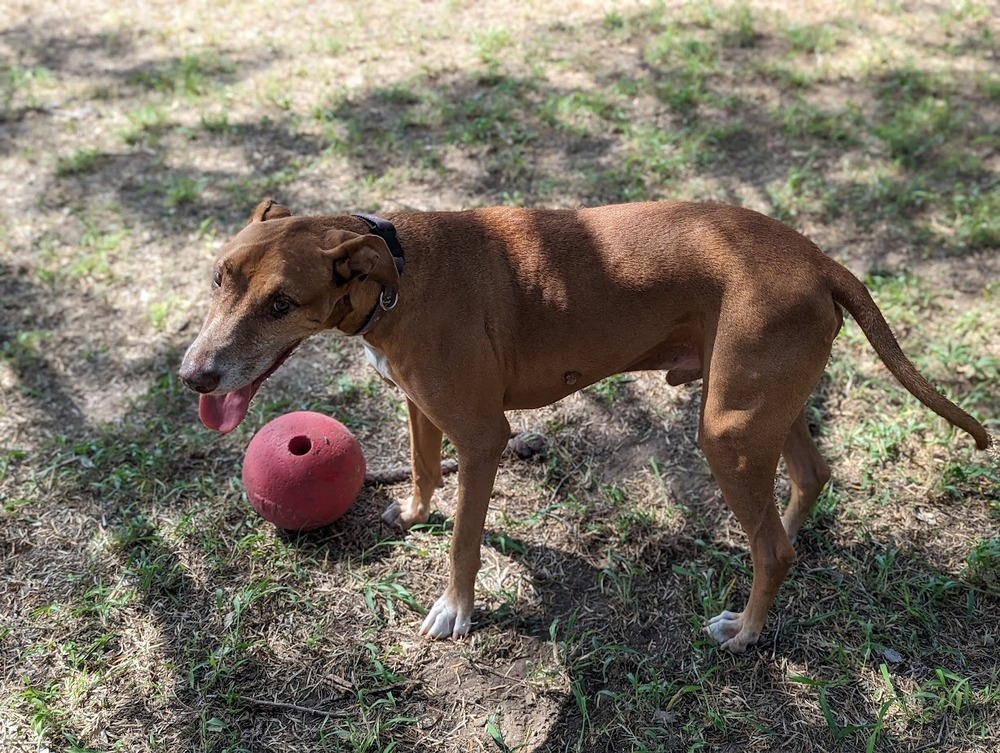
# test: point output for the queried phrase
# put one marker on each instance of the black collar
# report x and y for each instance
(389, 296)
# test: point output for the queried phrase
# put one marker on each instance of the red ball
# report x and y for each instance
(303, 470)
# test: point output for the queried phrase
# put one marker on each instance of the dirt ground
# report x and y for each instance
(145, 608)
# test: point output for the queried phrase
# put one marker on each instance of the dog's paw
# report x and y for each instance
(447, 618)
(729, 632)
(402, 516)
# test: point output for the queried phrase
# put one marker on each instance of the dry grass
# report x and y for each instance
(142, 607)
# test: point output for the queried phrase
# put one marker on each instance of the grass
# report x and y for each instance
(80, 162)
(19, 88)
(802, 120)
(146, 608)
(813, 39)
(191, 75)
(146, 123)
(182, 190)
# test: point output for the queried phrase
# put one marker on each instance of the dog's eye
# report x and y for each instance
(217, 278)
(280, 305)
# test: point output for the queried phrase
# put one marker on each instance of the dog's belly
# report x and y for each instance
(681, 361)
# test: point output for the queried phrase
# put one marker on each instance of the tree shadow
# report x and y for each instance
(148, 490)
(631, 644)
(26, 323)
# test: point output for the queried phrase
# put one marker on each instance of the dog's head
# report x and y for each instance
(281, 279)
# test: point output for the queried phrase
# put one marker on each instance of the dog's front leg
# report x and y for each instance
(478, 458)
(425, 461)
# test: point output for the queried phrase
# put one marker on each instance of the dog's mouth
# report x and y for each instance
(224, 412)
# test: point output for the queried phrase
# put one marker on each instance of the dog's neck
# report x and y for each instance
(386, 301)
(388, 297)
(354, 314)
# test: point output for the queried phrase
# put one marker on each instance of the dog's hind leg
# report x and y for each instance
(743, 462)
(808, 472)
(755, 384)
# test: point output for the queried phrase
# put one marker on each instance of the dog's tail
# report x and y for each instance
(850, 293)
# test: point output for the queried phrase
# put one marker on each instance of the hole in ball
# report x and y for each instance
(299, 445)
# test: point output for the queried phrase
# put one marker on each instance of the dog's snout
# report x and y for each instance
(199, 380)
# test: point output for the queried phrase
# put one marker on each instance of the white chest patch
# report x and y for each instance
(377, 359)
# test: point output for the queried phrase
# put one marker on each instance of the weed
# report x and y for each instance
(331, 45)
(964, 10)
(815, 39)
(489, 45)
(18, 86)
(946, 691)
(804, 192)
(802, 120)
(45, 716)
(275, 93)
(80, 162)
(613, 21)
(382, 597)
(608, 390)
(159, 312)
(146, 124)
(742, 33)
(216, 122)
(910, 85)
(990, 86)
(182, 190)
(983, 562)
(490, 117)
(24, 348)
(689, 64)
(191, 74)
(976, 217)
(915, 129)
(793, 78)
(577, 112)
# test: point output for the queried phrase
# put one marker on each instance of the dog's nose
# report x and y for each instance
(199, 380)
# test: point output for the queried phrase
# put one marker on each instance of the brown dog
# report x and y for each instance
(504, 308)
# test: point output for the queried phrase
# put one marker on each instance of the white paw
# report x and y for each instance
(402, 516)
(728, 631)
(447, 619)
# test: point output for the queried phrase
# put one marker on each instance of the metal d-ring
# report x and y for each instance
(388, 300)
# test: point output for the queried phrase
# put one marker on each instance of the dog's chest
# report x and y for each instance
(379, 361)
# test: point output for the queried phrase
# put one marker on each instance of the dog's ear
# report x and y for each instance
(366, 257)
(269, 209)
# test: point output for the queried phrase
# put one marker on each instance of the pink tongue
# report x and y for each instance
(223, 413)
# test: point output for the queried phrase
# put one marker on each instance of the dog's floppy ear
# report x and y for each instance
(366, 257)
(269, 209)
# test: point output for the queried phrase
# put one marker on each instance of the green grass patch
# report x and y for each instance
(192, 75)
(19, 88)
(490, 45)
(182, 190)
(82, 161)
(975, 217)
(805, 191)
(145, 125)
(915, 129)
(24, 347)
(216, 122)
(812, 39)
(802, 120)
